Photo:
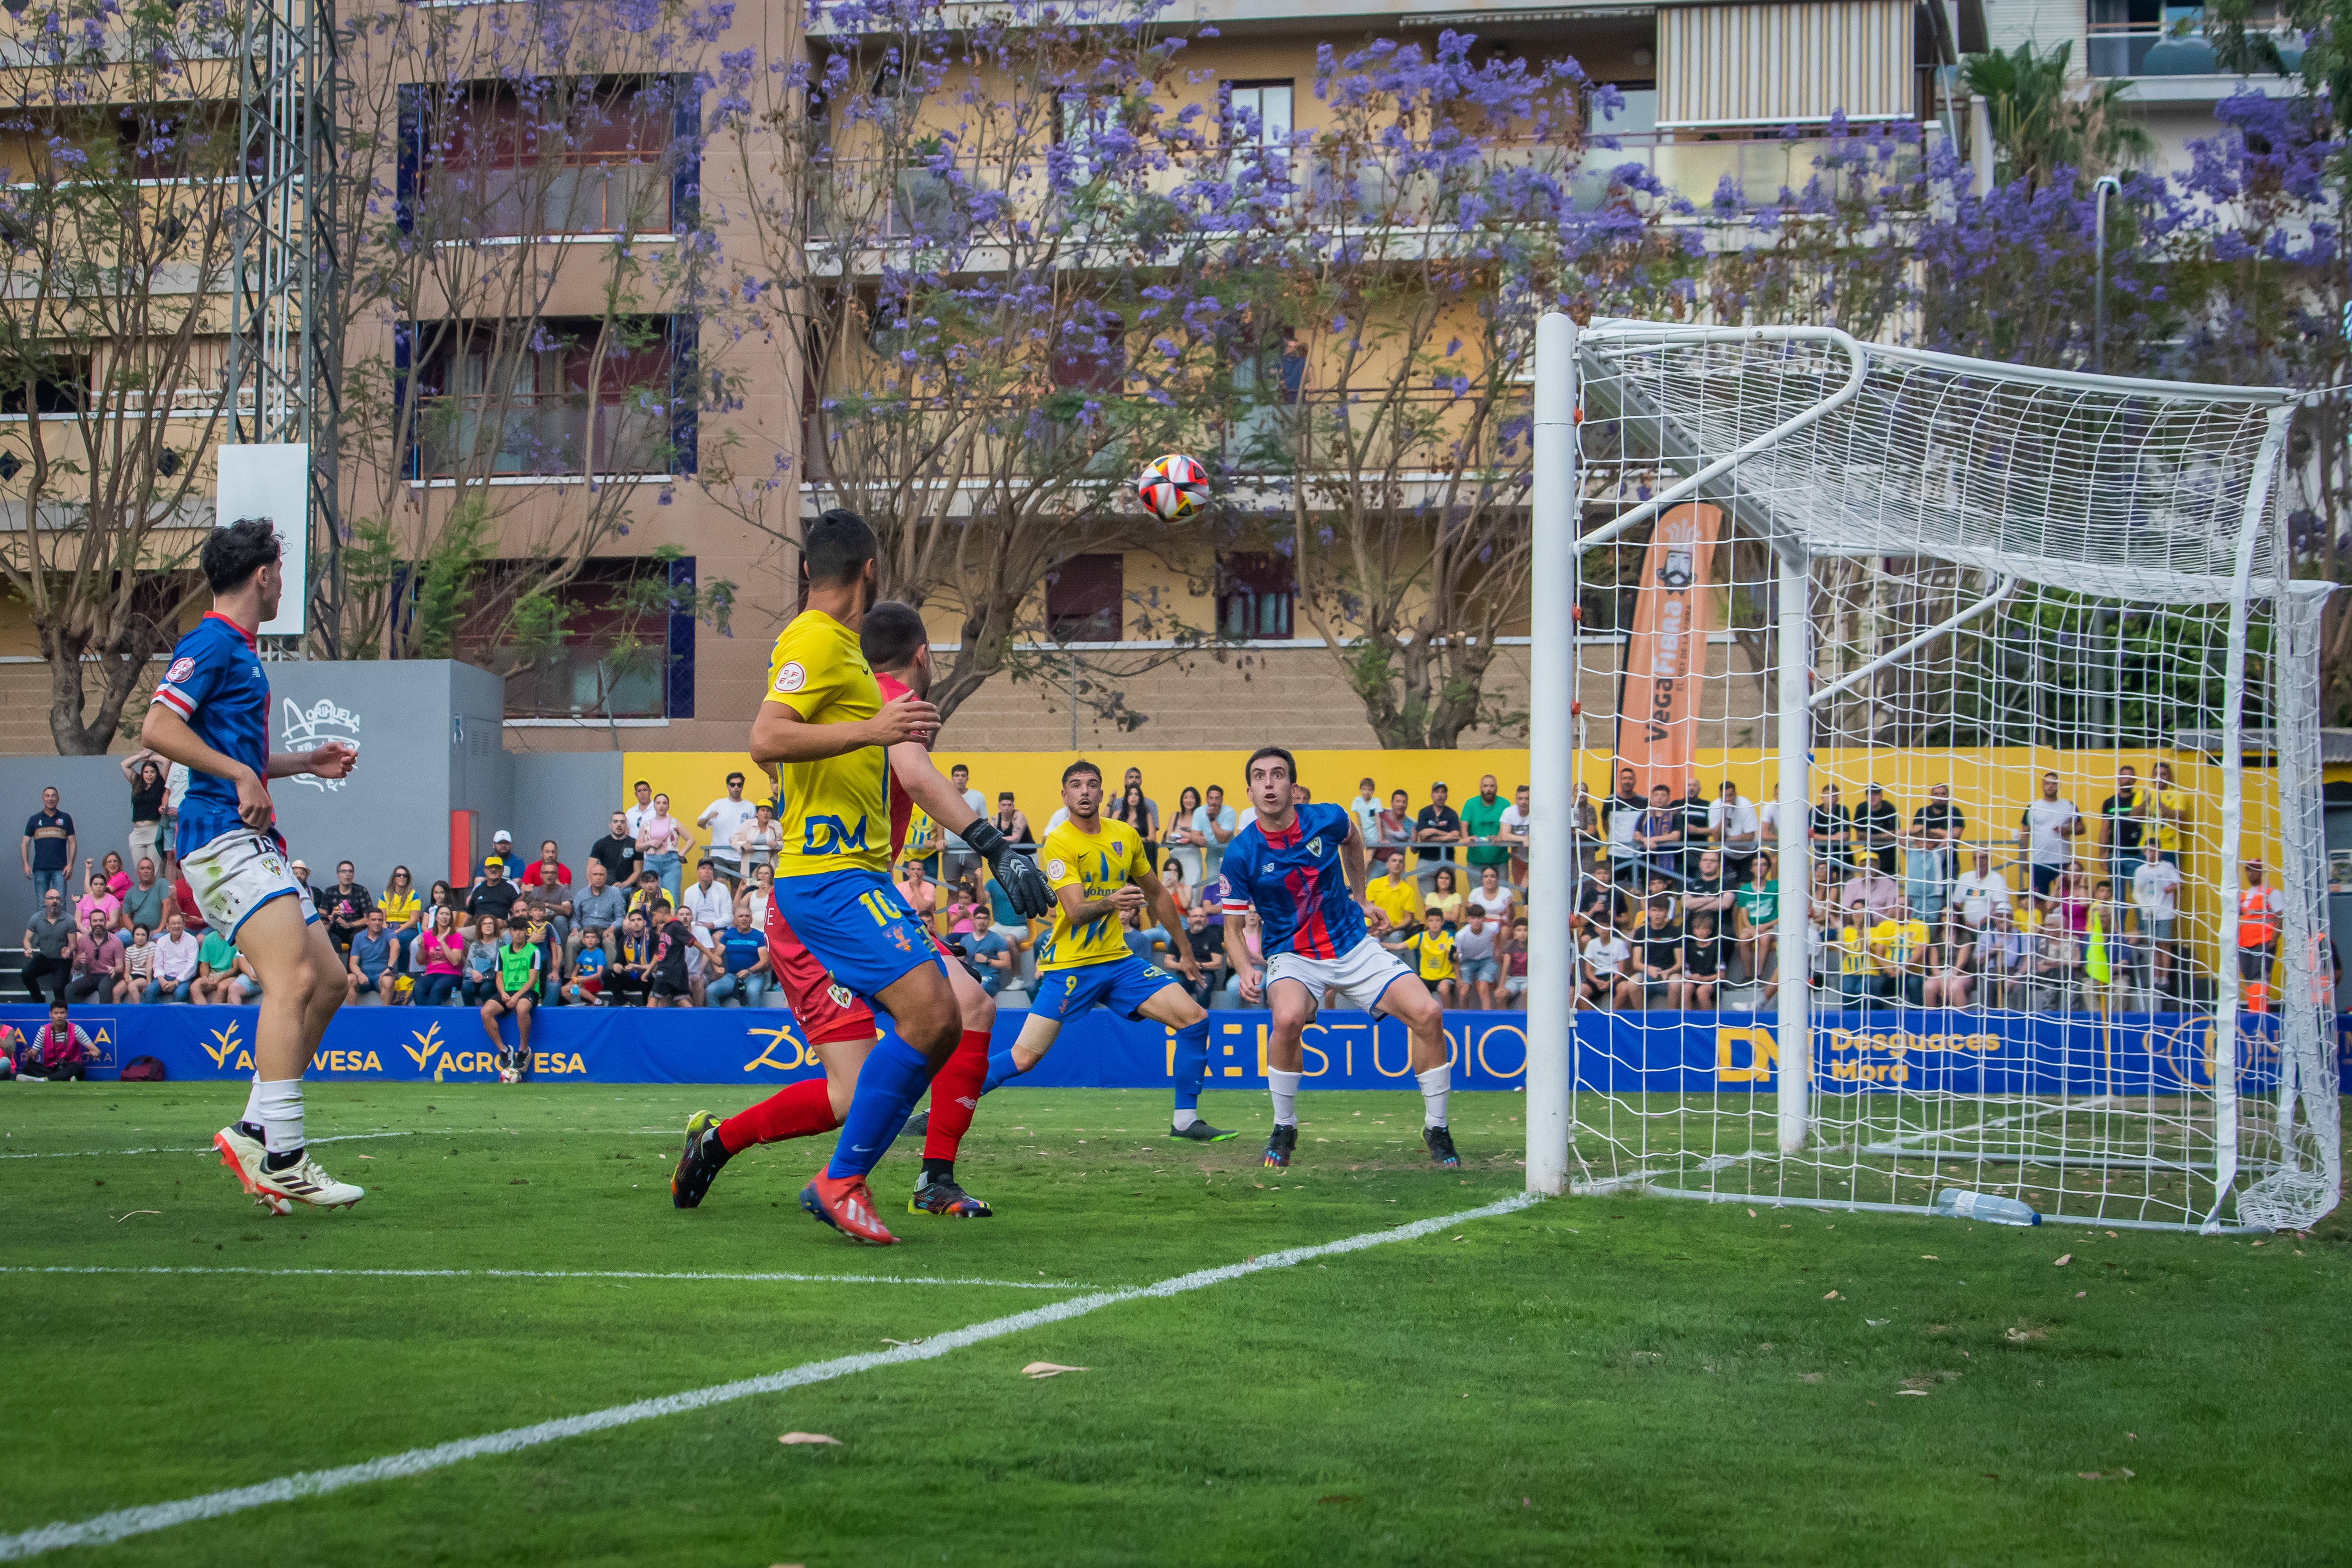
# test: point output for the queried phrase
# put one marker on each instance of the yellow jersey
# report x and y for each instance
(1899, 944)
(1097, 864)
(1434, 954)
(835, 812)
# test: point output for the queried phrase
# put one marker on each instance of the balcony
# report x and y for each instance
(595, 198)
(2174, 49)
(519, 436)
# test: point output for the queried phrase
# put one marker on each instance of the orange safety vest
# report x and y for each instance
(2257, 922)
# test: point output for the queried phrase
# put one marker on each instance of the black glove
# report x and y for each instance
(1024, 883)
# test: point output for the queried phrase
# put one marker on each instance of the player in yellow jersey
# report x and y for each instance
(1099, 875)
(826, 732)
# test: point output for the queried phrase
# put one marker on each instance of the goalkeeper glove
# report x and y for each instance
(1024, 883)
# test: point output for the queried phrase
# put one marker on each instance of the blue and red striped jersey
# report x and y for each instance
(1295, 882)
(215, 682)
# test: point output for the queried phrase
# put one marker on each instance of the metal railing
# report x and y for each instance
(529, 201)
(2164, 48)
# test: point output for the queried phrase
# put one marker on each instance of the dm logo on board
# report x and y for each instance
(322, 721)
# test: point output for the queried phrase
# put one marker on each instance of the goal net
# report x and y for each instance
(1943, 740)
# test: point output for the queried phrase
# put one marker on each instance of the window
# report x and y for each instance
(57, 383)
(178, 141)
(1084, 599)
(605, 652)
(1256, 118)
(492, 402)
(1255, 595)
(547, 163)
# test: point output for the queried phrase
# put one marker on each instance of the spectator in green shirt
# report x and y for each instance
(517, 977)
(1482, 818)
(223, 977)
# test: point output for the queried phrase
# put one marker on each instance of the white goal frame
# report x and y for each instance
(1565, 357)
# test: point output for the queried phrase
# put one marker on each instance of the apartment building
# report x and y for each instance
(591, 420)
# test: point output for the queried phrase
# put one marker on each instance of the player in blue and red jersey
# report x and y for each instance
(1302, 868)
(211, 711)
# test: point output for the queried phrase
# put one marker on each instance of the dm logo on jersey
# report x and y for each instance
(324, 721)
(830, 836)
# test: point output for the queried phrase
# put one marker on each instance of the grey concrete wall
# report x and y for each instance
(563, 795)
(90, 790)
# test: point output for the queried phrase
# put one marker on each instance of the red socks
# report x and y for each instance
(796, 1110)
(955, 1095)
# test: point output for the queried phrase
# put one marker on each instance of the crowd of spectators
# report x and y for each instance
(1678, 902)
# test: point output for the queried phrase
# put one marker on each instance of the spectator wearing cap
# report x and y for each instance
(494, 895)
(503, 848)
(723, 819)
(1878, 829)
(1437, 823)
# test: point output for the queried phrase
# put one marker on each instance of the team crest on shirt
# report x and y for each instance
(842, 997)
(1315, 847)
(791, 677)
(182, 668)
(1058, 869)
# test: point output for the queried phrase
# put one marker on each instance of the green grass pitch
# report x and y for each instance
(1587, 1380)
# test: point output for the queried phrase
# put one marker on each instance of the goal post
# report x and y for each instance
(2007, 870)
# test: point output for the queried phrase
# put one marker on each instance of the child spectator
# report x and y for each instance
(1515, 966)
(1476, 958)
(138, 968)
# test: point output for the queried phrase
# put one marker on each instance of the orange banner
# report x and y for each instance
(1657, 697)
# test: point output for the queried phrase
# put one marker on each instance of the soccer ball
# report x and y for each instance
(1175, 486)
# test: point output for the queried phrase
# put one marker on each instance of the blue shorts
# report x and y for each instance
(858, 926)
(1122, 985)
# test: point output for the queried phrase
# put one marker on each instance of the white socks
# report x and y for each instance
(277, 1106)
(1434, 1083)
(1284, 1086)
(1185, 1119)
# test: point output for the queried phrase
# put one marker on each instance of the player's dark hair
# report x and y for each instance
(1081, 766)
(837, 546)
(1262, 753)
(890, 634)
(233, 554)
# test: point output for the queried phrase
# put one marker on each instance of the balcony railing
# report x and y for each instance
(2164, 49)
(579, 199)
(544, 436)
(864, 201)
(1330, 432)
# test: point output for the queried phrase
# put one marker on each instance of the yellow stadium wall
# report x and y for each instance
(1991, 785)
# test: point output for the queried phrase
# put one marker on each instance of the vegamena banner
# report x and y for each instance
(1686, 1053)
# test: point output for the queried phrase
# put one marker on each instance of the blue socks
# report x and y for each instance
(888, 1085)
(1000, 1069)
(1191, 1064)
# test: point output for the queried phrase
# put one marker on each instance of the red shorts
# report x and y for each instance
(826, 1011)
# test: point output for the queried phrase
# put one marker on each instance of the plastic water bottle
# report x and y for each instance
(1959, 1203)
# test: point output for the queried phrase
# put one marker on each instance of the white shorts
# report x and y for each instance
(1362, 975)
(237, 873)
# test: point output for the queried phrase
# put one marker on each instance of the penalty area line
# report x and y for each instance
(123, 1523)
(690, 1275)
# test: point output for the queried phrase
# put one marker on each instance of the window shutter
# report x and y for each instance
(1769, 65)
(681, 639)
(685, 171)
(685, 387)
(403, 337)
(410, 155)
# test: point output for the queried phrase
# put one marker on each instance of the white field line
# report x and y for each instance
(350, 1138)
(547, 1274)
(123, 1523)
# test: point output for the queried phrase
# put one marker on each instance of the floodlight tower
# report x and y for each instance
(285, 366)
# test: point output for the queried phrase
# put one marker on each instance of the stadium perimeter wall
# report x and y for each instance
(431, 735)
(1731, 1053)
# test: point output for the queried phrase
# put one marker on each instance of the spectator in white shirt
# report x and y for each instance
(1605, 953)
(1515, 831)
(955, 858)
(1979, 892)
(1492, 899)
(1731, 819)
(1366, 809)
(2046, 833)
(174, 961)
(724, 817)
(643, 809)
(2156, 892)
(708, 907)
(1214, 825)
